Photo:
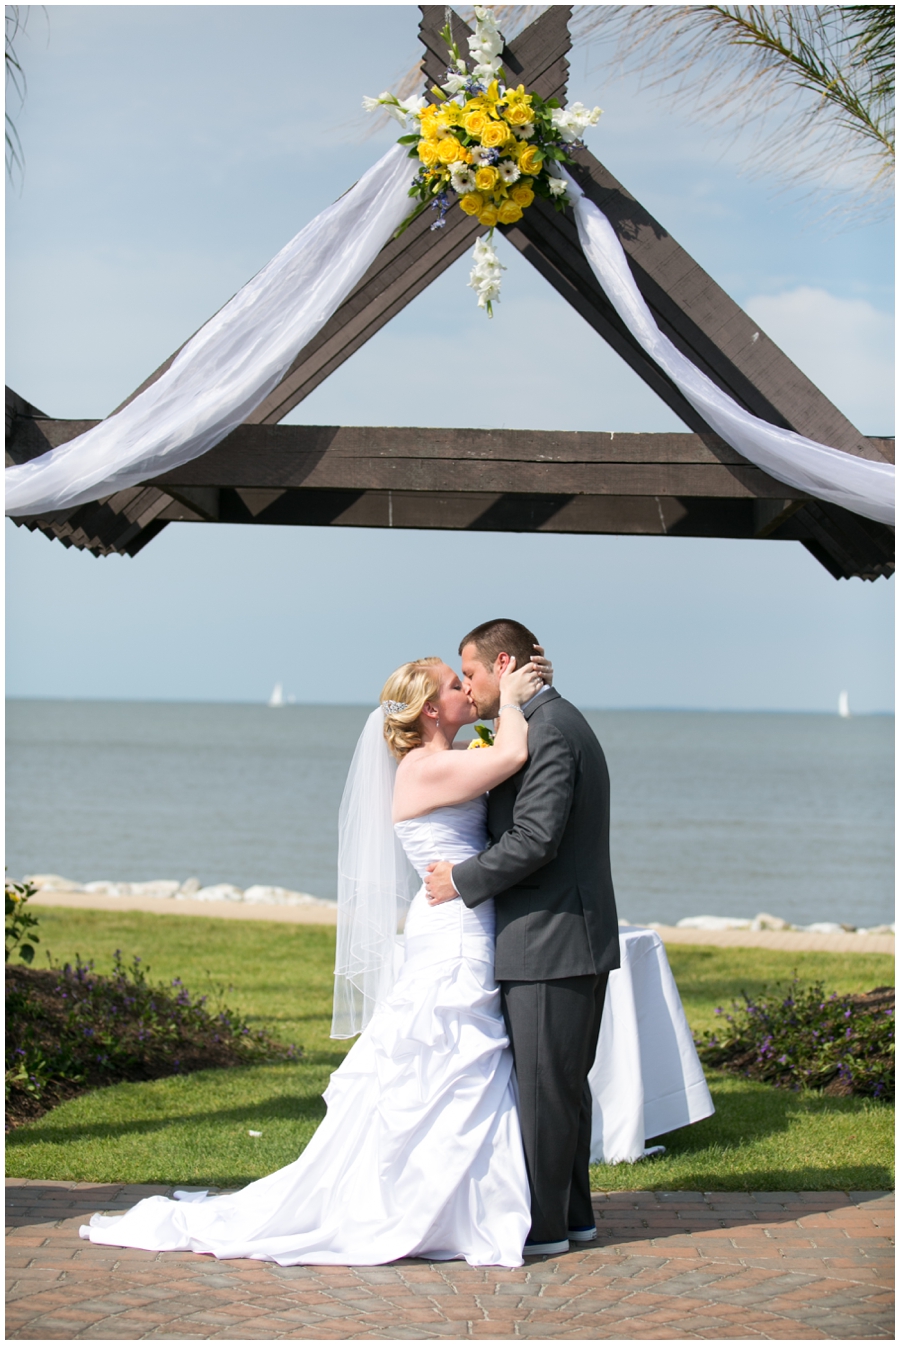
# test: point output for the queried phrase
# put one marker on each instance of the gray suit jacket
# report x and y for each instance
(548, 861)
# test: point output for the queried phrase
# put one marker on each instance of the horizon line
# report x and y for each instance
(361, 705)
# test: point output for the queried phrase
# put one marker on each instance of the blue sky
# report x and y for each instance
(170, 152)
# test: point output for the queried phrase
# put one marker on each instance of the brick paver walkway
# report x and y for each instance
(679, 1265)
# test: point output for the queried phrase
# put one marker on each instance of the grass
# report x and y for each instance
(194, 1129)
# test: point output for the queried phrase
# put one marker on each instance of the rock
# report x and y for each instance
(52, 882)
(877, 929)
(189, 887)
(219, 892)
(712, 922)
(764, 921)
(823, 927)
(282, 896)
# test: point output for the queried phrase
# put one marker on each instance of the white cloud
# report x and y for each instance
(846, 346)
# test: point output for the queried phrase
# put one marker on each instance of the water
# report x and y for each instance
(724, 814)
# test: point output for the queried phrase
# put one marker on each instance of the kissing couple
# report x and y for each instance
(459, 1124)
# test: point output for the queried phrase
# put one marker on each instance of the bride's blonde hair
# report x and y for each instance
(412, 686)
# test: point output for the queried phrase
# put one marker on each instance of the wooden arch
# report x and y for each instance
(682, 484)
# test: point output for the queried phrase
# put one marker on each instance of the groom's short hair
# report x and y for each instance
(501, 637)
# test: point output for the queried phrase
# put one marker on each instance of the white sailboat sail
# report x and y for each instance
(277, 697)
(844, 705)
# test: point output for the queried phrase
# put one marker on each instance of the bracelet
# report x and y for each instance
(510, 706)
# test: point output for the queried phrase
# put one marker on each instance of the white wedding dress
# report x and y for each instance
(420, 1153)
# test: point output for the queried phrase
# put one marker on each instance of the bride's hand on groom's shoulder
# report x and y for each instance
(543, 665)
(519, 685)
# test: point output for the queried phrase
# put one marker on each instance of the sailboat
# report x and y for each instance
(844, 705)
(276, 700)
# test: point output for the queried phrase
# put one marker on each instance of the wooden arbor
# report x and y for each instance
(686, 484)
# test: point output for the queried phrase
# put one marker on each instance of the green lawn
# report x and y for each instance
(194, 1129)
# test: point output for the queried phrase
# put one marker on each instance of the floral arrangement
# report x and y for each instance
(485, 737)
(492, 147)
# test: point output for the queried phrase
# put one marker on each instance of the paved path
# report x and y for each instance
(682, 1265)
(791, 941)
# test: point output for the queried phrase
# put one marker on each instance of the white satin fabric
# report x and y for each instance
(857, 484)
(420, 1153)
(234, 361)
(647, 1079)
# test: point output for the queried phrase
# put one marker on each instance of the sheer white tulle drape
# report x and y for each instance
(857, 484)
(234, 361)
(376, 884)
(230, 366)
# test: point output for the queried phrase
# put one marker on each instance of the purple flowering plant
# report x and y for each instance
(70, 1029)
(842, 1045)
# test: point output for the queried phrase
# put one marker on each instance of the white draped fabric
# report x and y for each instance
(857, 484)
(647, 1079)
(234, 361)
(231, 365)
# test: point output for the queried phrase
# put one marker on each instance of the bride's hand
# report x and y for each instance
(519, 685)
(543, 665)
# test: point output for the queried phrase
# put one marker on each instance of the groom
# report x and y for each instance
(557, 930)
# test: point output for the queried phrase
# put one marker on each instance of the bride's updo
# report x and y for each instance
(411, 686)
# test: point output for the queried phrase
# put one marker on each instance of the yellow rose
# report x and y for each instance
(475, 123)
(522, 194)
(486, 178)
(477, 742)
(488, 216)
(518, 114)
(530, 159)
(472, 203)
(495, 134)
(509, 212)
(449, 149)
(428, 152)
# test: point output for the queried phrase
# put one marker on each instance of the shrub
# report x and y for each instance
(70, 1029)
(840, 1044)
(20, 922)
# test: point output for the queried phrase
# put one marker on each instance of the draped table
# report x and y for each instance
(647, 1078)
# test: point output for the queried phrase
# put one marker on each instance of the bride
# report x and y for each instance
(420, 1153)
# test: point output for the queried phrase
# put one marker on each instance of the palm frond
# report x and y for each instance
(813, 84)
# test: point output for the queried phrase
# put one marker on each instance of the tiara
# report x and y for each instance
(393, 707)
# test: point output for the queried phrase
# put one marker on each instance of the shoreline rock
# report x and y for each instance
(169, 890)
(716, 923)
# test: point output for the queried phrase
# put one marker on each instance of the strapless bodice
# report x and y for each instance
(451, 930)
(453, 833)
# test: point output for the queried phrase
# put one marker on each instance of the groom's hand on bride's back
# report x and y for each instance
(438, 884)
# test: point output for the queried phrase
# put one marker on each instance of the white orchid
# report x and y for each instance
(556, 186)
(455, 83)
(485, 46)
(571, 122)
(402, 110)
(485, 278)
(509, 171)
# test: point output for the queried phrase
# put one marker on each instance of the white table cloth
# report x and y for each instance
(647, 1078)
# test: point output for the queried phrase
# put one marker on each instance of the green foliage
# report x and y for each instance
(193, 1128)
(809, 1039)
(70, 1028)
(19, 922)
(815, 82)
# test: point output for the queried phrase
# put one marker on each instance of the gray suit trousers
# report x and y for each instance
(553, 1028)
